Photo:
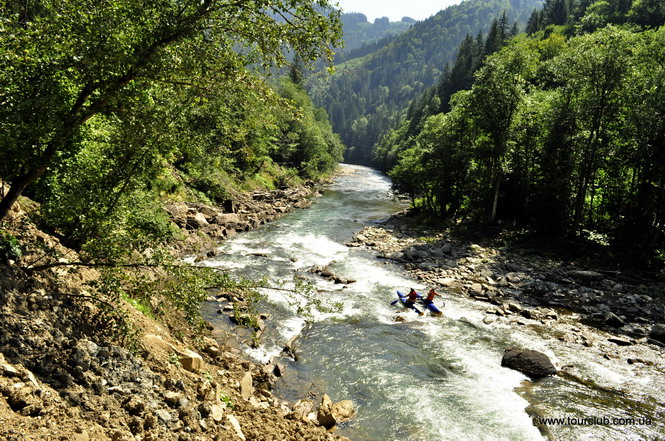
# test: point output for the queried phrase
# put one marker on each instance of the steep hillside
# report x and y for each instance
(78, 362)
(359, 32)
(367, 95)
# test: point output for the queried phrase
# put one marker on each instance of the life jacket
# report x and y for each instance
(430, 295)
(413, 296)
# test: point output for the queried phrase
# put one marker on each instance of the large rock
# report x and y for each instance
(613, 320)
(532, 363)
(301, 410)
(344, 411)
(227, 219)
(329, 414)
(196, 221)
(324, 414)
(585, 275)
(190, 360)
(658, 332)
(247, 386)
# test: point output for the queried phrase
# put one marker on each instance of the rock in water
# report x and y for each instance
(532, 363)
(329, 414)
(324, 414)
(344, 411)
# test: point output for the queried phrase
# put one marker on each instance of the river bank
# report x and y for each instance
(517, 284)
(609, 318)
(61, 377)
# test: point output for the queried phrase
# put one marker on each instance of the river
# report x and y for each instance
(426, 378)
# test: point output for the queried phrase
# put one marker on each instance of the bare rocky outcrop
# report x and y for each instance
(204, 226)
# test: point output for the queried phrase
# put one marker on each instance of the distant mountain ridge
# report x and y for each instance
(368, 94)
(358, 31)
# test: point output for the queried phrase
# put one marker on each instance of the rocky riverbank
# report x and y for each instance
(204, 226)
(61, 378)
(519, 287)
(616, 318)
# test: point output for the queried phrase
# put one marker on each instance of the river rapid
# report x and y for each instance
(424, 378)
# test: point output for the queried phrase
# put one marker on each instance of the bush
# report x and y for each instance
(10, 248)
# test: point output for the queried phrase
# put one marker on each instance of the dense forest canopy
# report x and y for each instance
(107, 106)
(367, 95)
(561, 130)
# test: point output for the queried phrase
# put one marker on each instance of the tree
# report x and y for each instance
(69, 60)
(648, 13)
(496, 94)
(594, 71)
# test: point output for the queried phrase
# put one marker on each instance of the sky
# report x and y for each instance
(396, 9)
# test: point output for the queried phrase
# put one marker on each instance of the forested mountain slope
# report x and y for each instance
(359, 32)
(367, 95)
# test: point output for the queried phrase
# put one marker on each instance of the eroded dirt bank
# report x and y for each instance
(62, 378)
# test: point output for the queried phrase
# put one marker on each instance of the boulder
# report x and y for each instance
(324, 414)
(488, 320)
(329, 414)
(585, 275)
(197, 221)
(613, 320)
(446, 248)
(514, 307)
(658, 332)
(227, 219)
(620, 340)
(190, 360)
(301, 410)
(476, 289)
(210, 346)
(531, 363)
(246, 386)
(344, 411)
(230, 206)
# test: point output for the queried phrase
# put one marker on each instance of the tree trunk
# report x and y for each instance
(16, 189)
(495, 201)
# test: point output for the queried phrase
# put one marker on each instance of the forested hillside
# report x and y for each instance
(359, 32)
(366, 96)
(109, 109)
(561, 131)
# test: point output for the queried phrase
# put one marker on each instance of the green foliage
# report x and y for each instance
(109, 108)
(366, 97)
(10, 248)
(585, 16)
(72, 71)
(559, 135)
(226, 399)
(305, 140)
(362, 37)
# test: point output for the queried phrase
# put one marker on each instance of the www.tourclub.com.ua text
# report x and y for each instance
(593, 421)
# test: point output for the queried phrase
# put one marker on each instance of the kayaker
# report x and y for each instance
(430, 296)
(411, 298)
